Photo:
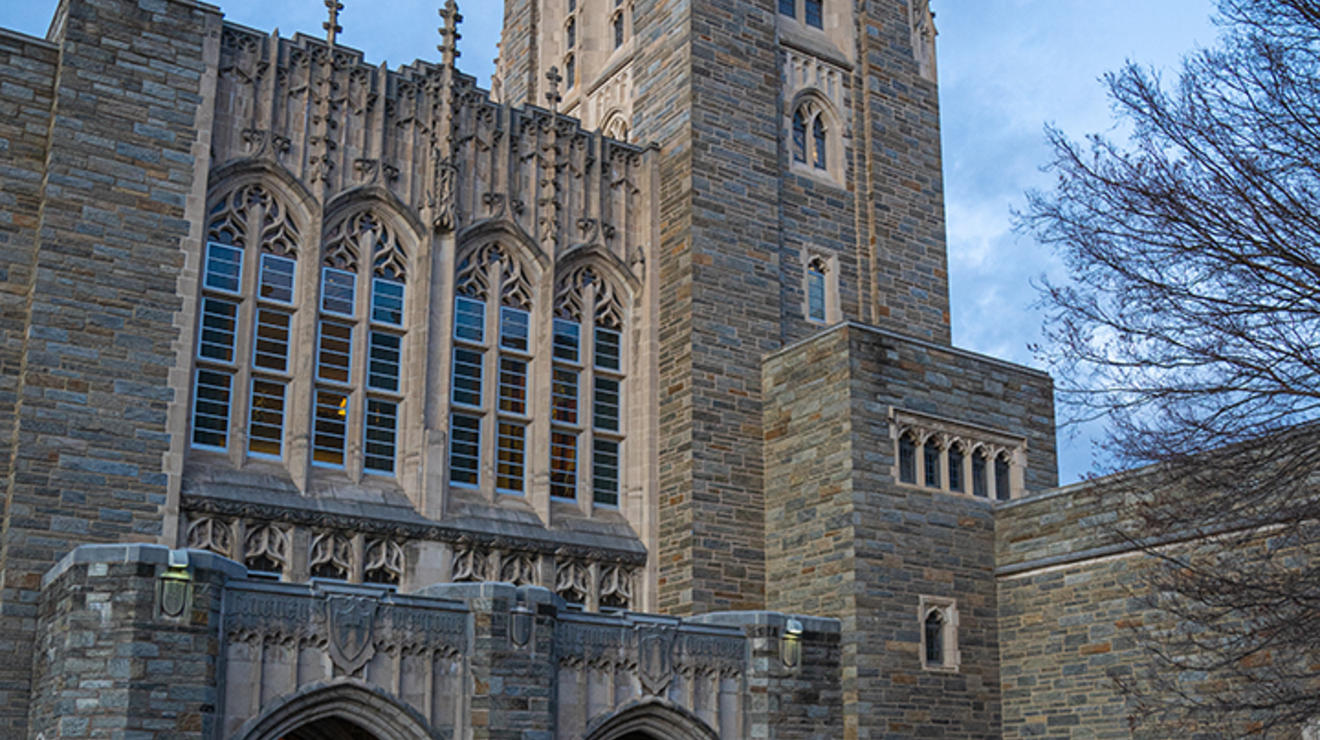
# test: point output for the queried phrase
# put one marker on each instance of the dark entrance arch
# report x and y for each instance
(651, 720)
(346, 709)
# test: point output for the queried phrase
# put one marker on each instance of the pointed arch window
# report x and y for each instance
(939, 633)
(616, 27)
(812, 137)
(818, 147)
(799, 136)
(360, 345)
(588, 367)
(245, 313)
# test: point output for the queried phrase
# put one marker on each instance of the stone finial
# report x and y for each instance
(552, 96)
(449, 34)
(332, 27)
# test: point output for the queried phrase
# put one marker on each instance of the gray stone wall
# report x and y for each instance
(89, 433)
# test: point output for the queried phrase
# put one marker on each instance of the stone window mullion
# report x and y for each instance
(490, 359)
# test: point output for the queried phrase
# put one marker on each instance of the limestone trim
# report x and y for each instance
(940, 613)
(935, 453)
(373, 709)
(655, 717)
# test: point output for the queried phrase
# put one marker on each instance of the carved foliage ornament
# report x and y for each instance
(384, 561)
(330, 556)
(572, 290)
(211, 533)
(365, 232)
(573, 581)
(473, 277)
(232, 214)
(469, 565)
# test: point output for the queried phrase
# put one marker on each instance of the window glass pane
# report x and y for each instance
(511, 456)
(564, 396)
(567, 340)
(563, 463)
(813, 14)
(331, 427)
(907, 460)
(277, 278)
(605, 408)
(514, 323)
(570, 33)
(978, 476)
(335, 348)
(211, 409)
(383, 359)
(469, 320)
(382, 420)
(467, 376)
(1002, 483)
(266, 418)
(607, 349)
(799, 138)
(570, 71)
(387, 302)
(934, 639)
(338, 291)
(224, 268)
(955, 469)
(605, 472)
(464, 449)
(787, 7)
(815, 295)
(271, 349)
(513, 386)
(932, 458)
(219, 319)
(618, 30)
(818, 142)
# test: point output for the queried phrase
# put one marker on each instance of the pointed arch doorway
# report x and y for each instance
(651, 720)
(345, 709)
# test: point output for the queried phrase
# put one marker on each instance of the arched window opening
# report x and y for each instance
(955, 456)
(617, 26)
(979, 461)
(570, 33)
(931, 460)
(907, 458)
(1003, 485)
(816, 303)
(570, 71)
(934, 634)
(818, 143)
(799, 137)
(615, 126)
(245, 319)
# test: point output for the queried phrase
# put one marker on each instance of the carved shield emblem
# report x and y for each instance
(350, 621)
(173, 597)
(655, 667)
(521, 629)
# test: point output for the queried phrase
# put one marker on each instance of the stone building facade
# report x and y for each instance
(616, 401)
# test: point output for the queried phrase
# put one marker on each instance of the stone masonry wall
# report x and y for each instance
(90, 429)
(112, 660)
(27, 68)
(830, 453)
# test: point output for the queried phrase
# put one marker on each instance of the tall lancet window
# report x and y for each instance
(799, 137)
(360, 344)
(587, 431)
(818, 143)
(812, 135)
(245, 315)
(492, 337)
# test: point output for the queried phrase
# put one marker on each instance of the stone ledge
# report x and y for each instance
(142, 552)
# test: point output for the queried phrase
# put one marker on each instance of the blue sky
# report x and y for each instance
(1006, 67)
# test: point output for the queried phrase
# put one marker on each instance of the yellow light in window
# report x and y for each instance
(343, 406)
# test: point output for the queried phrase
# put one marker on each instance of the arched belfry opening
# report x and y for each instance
(347, 709)
(651, 720)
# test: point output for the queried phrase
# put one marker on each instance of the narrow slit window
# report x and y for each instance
(383, 361)
(224, 268)
(814, 15)
(270, 351)
(931, 456)
(956, 469)
(464, 449)
(511, 456)
(338, 292)
(381, 435)
(211, 400)
(1003, 487)
(618, 30)
(934, 629)
(563, 464)
(219, 325)
(979, 487)
(387, 302)
(334, 352)
(467, 377)
(799, 138)
(907, 459)
(605, 472)
(818, 143)
(266, 418)
(570, 33)
(330, 435)
(277, 279)
(570, 72)
(815, 295)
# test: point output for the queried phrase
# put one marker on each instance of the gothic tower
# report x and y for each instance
(801, 187)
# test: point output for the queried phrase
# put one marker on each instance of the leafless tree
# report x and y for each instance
(1191, 322)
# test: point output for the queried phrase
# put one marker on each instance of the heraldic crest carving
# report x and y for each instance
(350, 621)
